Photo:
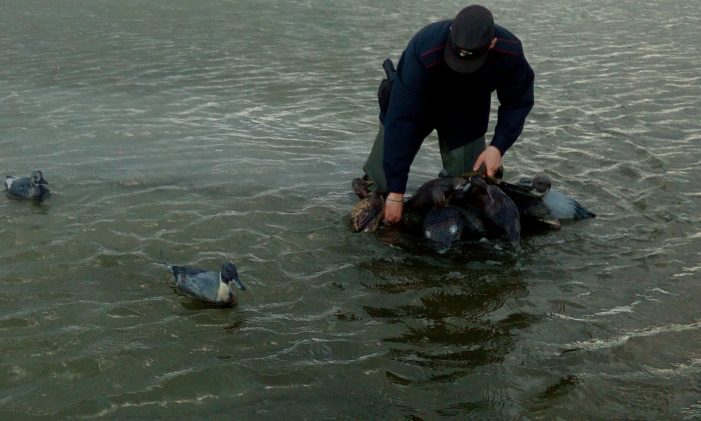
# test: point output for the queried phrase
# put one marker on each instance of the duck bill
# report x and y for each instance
(236, 281)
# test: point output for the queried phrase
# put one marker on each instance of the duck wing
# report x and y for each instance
(179, 271)
(504, 213)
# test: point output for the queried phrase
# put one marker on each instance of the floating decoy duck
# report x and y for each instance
(498, 210)
(443, 227)
(561, 206)
(367, 213)
(564, 207)
(32, 187)
(214, 288)
(434, 193)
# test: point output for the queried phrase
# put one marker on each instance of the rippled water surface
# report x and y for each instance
(231, 129)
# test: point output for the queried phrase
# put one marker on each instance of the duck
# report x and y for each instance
(443, 227)
(366, 215)
(531, 208)
(32, 187)
(539, 185)
(210, 287)
(565, 207)
(561, 206)
(475, 228)
(361, 186)
(435, 193)
(497, 209)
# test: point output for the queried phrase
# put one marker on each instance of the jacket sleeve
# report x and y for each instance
(404, 120)
(515, 94)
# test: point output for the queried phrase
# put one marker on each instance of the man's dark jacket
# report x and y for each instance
(427, 95)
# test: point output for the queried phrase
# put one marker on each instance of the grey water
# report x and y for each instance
(221, 130)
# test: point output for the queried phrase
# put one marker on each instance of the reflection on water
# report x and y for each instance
(444, 317)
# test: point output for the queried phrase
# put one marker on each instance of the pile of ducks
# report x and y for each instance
(449, 210)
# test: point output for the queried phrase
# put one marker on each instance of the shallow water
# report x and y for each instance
(232, 129)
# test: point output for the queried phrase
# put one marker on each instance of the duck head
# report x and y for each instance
(477, 183)
(37, 178)
(445, 188)
(541, 184)
(228, 274)
(457, 183)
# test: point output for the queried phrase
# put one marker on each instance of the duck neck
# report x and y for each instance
(224, 289)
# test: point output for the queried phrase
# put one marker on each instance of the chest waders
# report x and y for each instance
(455, 162)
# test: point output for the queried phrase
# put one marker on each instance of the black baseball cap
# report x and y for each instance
(470, 37)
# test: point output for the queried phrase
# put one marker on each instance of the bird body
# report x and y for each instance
(565, 207)
(561, 206)
(497, 209)
(531, 207)
(214, 288)
(435, 193)
(32, 187)
(443, 227)
(366, 215)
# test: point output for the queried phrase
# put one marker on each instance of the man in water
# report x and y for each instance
(444, 81)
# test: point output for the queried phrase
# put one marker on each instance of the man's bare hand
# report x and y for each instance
(394, 204)
(491, 159)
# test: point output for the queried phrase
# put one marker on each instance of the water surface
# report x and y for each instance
(232, 129)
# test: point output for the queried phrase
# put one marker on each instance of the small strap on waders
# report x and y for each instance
(385, 89)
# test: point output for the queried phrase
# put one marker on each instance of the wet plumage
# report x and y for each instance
(475, 228)
(210, 287)
(367, 213)
(32, 187)
(443, 227)
(434, 193)
(361, 187)
(498, 210)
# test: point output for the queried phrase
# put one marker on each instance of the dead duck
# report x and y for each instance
(475, 227)
(367, 213)
(443, 227)
(361, 186)
(32, 187)
(434, 193)
(498, 210)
